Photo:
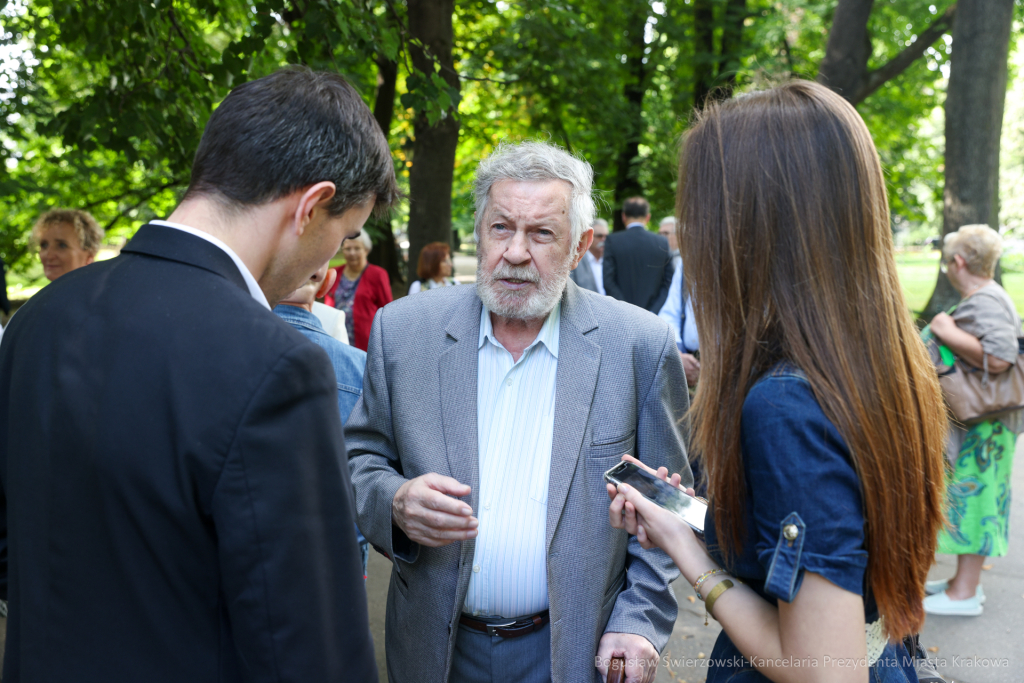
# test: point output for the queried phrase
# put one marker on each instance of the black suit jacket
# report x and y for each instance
(177, 496)
(637, 268)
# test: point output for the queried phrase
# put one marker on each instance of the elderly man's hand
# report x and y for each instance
(691, 366)
(641, 657)
(428, 514)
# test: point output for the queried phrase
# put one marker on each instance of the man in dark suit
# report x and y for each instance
(176, 496)
(589, 273)
(637, 265)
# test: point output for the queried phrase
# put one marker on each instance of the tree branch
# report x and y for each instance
(788, 51)
(117, 198)
(139, 203)
(898, 64)
(184, 38)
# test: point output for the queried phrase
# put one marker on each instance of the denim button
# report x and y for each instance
(784, 573)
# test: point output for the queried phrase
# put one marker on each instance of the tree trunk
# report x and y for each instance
(714, 73)
(732, 45)
(626, 183)
(845, 66)
(704, 47)
(974, 119)
(433, 152)
(385, 252)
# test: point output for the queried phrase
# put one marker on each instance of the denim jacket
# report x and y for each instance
(803, 512)
(348, 361)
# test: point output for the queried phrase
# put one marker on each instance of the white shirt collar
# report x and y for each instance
(548, 335)
(593, 259)
(254, 288)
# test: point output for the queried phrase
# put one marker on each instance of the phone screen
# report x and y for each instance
(691, 510)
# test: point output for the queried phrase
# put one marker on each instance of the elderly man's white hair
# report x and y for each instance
(528, 161)
(668, 220)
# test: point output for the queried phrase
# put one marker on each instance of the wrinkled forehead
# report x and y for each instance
(530, 201)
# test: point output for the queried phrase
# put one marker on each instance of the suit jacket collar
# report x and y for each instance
(176, 245)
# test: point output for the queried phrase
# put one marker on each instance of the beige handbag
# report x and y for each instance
(975, 395)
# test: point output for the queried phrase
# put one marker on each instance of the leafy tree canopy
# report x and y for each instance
(104, 101)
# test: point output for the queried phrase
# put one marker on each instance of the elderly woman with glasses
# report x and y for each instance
(984, 324)
(362, 288)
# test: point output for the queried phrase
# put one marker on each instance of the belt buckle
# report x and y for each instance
(492, 629)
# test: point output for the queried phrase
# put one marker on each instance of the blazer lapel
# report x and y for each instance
(579, 361)
(458, 368)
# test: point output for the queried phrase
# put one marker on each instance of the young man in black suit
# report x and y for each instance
(178, 504)
(637, 265)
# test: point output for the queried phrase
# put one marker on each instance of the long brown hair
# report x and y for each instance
(784, 229)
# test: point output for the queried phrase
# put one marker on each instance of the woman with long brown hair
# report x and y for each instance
(818, 416)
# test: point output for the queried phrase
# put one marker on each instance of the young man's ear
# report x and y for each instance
(328, 284)
(310, 198)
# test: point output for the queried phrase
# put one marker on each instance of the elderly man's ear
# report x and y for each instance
(585, 241)
(328, 284)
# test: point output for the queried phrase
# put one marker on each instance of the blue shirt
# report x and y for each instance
(798, 473)
(515, 423)
(348, 361)
(684, 326)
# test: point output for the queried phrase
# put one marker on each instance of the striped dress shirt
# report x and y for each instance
(515, 418)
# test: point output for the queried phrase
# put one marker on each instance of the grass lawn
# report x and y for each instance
(919, 269)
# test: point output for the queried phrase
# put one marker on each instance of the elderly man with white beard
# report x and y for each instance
(478, 448)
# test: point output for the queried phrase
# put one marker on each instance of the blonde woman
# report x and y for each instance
(67, 239)
(984, 324)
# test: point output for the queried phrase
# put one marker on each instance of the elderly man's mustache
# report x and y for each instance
(504, 271)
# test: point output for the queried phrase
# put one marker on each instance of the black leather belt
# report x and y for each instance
(510, 629)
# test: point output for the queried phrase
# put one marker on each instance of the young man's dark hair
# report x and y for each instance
(636, 207)
(289, 130)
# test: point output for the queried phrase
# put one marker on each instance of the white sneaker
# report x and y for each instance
(933, 587)
(941, 603)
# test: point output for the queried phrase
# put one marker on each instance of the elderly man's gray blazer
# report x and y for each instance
(620, 389)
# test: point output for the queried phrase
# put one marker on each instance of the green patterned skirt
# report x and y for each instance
(979, 493)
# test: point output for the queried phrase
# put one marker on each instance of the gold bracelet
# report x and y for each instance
(704, 577)
(715, 593)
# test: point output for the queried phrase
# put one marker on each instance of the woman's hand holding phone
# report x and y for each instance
(653, 526)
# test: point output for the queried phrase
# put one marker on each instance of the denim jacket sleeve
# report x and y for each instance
(807, 508)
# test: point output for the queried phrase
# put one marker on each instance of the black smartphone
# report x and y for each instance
(691, 510)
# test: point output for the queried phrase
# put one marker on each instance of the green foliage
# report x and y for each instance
(106, 100)
(559, 73)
